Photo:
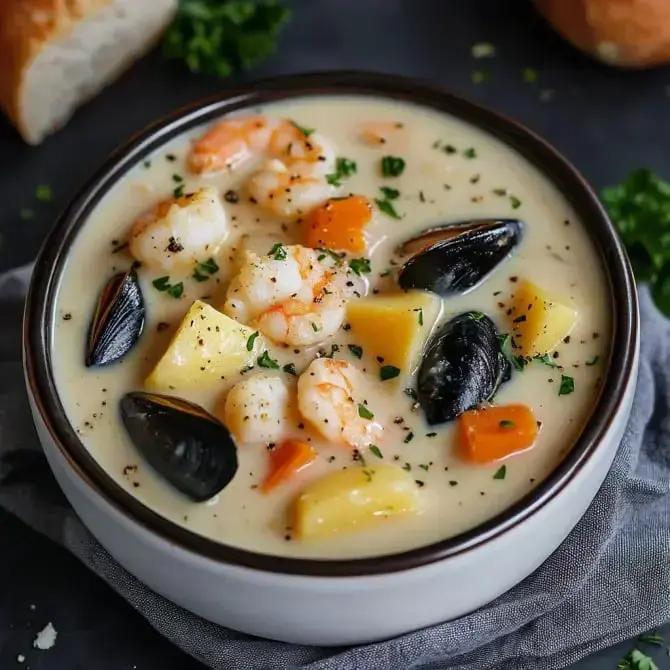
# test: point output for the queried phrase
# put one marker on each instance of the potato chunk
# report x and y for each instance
(540, 320)
(393, 326)
(207, 346)
(353, 499)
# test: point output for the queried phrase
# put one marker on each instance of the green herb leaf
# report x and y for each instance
(387, 207)
(364, 412)
(567, 385)
(545, 359)
(344, 167)
(162, 283)
(331, 254)
(470, 153)
(278, 252)
(360, 265)
(289, 369)
(209, 266)
(376, 451)
(177, 178)
(392, 166)
(179, 191)
(501, 472)
(519, 362)
(265, 361)
(388, 372)
(421, 317)
(390, 193)
(505, 423)
(408, 438)
(500, 192)
(449, 149)
(305, 131)
(637, 660)
(176, 290)
(251, 340)
(515, 202)
(221, 38)
(356, 350)
(199, 277)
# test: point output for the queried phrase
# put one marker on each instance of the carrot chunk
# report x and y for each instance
(378, 132)
(338, 224)
(285, 461)
(486, 435)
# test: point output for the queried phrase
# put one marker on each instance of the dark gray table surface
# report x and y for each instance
(605, 121)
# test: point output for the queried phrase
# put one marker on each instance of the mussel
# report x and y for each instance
(455, 258)
(462, 367)
(185, 444)
(117, 322)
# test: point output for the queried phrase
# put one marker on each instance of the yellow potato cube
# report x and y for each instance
(540, 320)
(207, 346)
(353, 499)
(394, 326)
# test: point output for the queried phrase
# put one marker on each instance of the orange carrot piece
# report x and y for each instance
(338, 224)
(378, 132)
(491, 434)
(285, 461)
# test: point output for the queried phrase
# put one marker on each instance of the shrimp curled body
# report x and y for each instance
(329, 397)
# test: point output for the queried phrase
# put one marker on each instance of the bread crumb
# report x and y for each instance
(46, 638)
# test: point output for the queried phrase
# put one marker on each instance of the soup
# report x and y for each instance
(284, 360)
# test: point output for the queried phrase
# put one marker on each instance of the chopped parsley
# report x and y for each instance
(344, 168)
(305, 131)
(177, 178)
(421, 317)
(500, 192)
(515, 202)
(199, 277)
(163, 285)
(332, 254)
(204, 269)
(501, 472)
(44, 193)
(545, 359)
(567, 385)
(265, 361)
(388, 372)
(289, 369)
(355, 350)
(376, 451)
(506, 423)
(251, 340)
(389, 193)
(364, 412)
(392, 166)
(387, 208)
(449, 149)
(408, 438)
(360, 265)
(519, 362)
(470, 153)
(179, 191)
(278, 252)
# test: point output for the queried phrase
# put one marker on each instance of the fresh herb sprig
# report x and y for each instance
(222, 38)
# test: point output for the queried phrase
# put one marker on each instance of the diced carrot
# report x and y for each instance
(486, 435)
(285, 461)
(378, 132)
(338, 224)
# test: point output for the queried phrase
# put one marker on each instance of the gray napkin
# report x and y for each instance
(606, 583)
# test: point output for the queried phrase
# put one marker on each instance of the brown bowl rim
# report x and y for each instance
(40, 313)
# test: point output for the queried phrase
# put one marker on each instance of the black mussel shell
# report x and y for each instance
(462, 367)
(117, 322)
(185, 444)
(452, 259)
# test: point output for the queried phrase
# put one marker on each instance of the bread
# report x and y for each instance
(625, 33)
(56, 54)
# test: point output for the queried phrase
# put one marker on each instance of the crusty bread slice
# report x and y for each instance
(56, 54)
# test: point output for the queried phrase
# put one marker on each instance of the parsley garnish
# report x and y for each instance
(519, 362)
(389, 193)
(470, 153)
(640, 209)
(392, 166)
(278, 252)
(637, 660)
(265, 361)
(364, 412)
(388, 372)
(360, 265)
(305, 131)
(251, 340)
(44, 193)
(545, 359)
(387, 207)
(567, 385)
(408, 438)
(356, 350)
(177, 178)
(179, 191)
(289, 369)
(421, 317)
(500, 192)
(163, 285)
(332, 254)
(202, 270)
(501, 472)
(515, 202)
(343, 168)
(376, 451)
(222, 38)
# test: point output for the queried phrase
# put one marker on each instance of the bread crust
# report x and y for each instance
(27, 26)
(625, 33)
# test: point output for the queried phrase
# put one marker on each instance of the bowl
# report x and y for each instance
(334, 602)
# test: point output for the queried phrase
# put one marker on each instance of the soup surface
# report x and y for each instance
(411, 482)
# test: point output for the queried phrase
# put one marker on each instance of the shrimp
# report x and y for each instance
(329, 398)
(257, 409)
(375, 133)
(179, 232)
(293, 295)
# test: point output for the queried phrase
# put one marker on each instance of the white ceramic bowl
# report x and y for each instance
(344, 601)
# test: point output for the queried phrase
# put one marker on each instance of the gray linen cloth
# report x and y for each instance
(609, 581)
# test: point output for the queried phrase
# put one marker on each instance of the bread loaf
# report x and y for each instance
(56, 54)
(625, 33)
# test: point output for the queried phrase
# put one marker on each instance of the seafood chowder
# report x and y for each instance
(331, 327)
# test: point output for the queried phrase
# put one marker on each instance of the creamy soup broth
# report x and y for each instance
(475, 176)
